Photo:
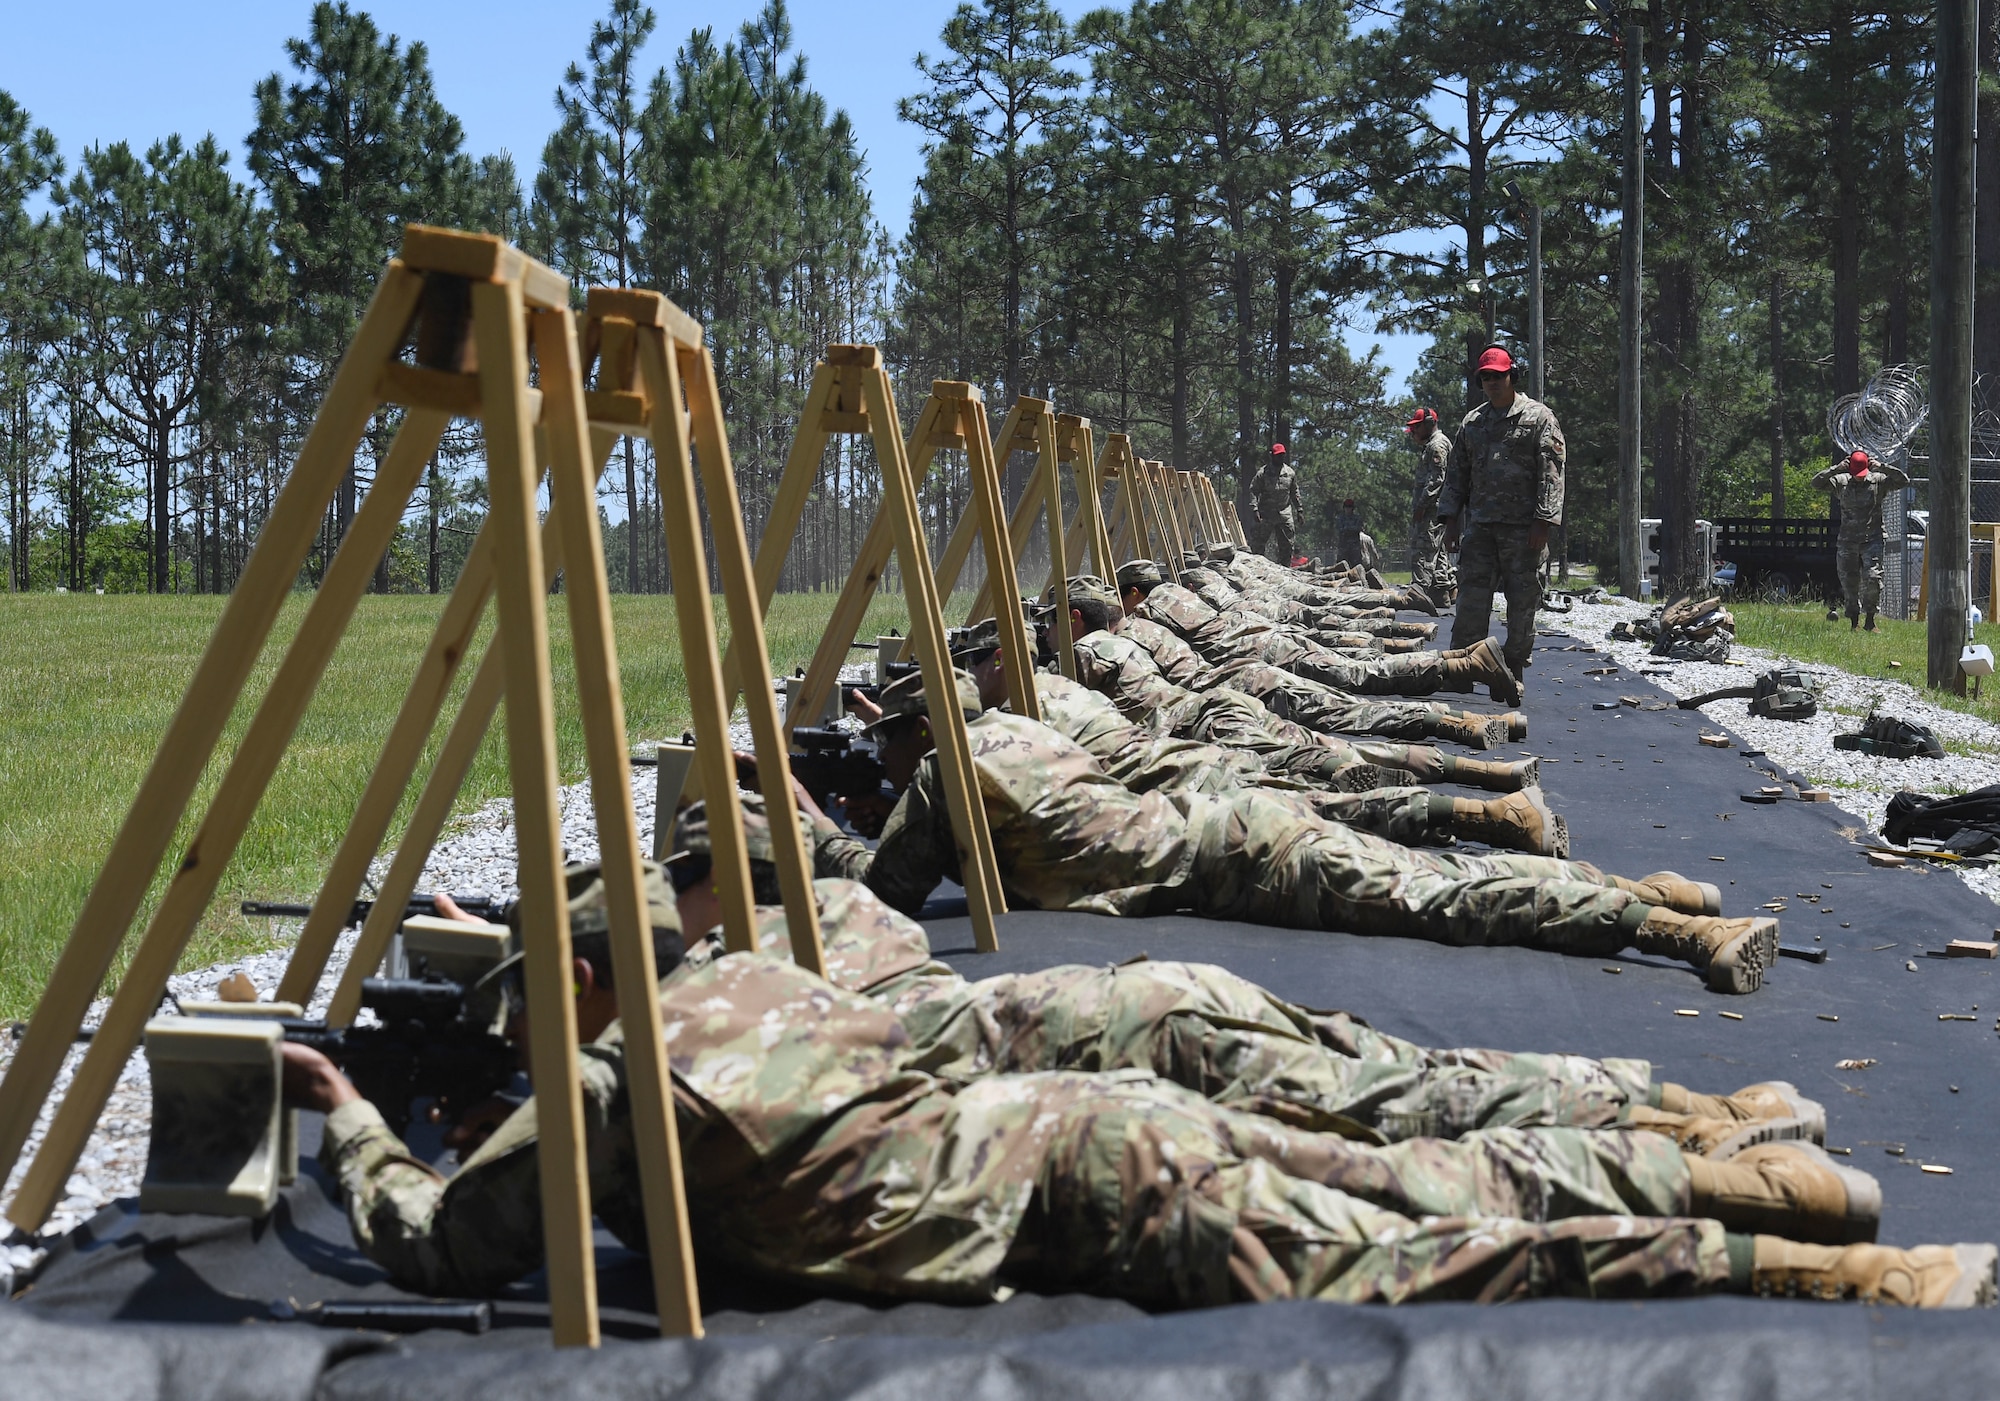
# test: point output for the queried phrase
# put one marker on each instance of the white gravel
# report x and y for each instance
(475, 856)
(1861, 783)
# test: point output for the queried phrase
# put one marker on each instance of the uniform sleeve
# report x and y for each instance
(1549, 495)
(839, 855)
(1892, 477)
(916, 851)
(1292, 485)
(482, 1230)
(1824, 479)
(1457, 485)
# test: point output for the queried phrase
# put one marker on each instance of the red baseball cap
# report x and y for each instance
(1277, 449)
(1858, 459)
(1494, 358)
(1422, 416)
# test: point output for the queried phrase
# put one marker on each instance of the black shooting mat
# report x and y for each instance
(142, 1270)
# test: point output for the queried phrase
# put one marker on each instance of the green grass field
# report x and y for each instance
(88, 684)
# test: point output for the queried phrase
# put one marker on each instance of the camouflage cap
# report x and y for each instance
(587, 912)
(1140, 574)
(1222, 551)
(906, 696)
(982, 636)
(1088, 588)
(691, 829)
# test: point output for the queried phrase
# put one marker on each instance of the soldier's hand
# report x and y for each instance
(311, 1081)
(869, 815)
(1538, 535)
(805, 801)
(1451, 532)
(862, 708)
(470, 1130)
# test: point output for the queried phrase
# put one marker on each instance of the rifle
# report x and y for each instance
(430, 1042)
(478, 906)
(836, 764)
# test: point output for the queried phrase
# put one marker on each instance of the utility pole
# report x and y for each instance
(1632, 256)
(1950, 533)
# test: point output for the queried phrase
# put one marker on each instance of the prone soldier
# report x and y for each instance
(818, 1148)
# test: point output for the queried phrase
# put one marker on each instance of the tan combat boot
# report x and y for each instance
(1493, 775)
(1482, 664)
(1517, 726)
(1773, 1102)
(1922, 1277)
(1473, 731)
(1719, 1139)
(1733, 952)
(1675, 892)
(1792, 1190)
(1418, 597)
(1399, 646)
(1518, 822)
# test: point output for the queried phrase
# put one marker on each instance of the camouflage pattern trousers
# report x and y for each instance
(1232, 1042)
(1412, 674)
(1430, 562)
(1233, 720)
(1861, 577)
(1280, 536)
(1497, 557)
(1151, 1192)
(1256, 861)
(1329, 711)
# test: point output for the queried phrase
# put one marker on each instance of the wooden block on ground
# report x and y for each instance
(1714, 741)
(1815, 795)
(217, 1139)
(1885, 858)
(1973, 948)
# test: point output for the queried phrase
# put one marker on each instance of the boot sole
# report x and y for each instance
(1517, 727)
(1809, 1111)
(1975, 1287)
(1739, 966)
(1529, 775)
(1795, 1129)
(1864, 1199)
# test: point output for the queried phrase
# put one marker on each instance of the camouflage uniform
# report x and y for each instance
(1430, 562)
(1200, 1027)
(1254, 574)
(1274, 503)
(820, 1147)
(1505, 472)
(1221, 638)
(1347, 537)
(1147, 763)
(1860, 539)
(1068, 836)
(1222, 594)
(1121, 673)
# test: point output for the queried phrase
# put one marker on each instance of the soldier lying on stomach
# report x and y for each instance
(828, 1140)
(1068, 836)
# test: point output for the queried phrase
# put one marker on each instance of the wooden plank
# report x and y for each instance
(863, 579)
(1076, 442)
(795, 487)
(863, 357)
(714, 755)
(236, 798)
(621, 410)
(430, 389)
(656, 1136)
(415, 718)
(192, 735)
(1045, 442)
(484, 258)
(643, 308)
(499, 324)
(1015, 647)
(746, 623)
(954, 750)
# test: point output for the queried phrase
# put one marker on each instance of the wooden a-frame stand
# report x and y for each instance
(851, 394)
(476, 305)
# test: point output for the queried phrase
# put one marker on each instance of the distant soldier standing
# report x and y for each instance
(1274, 501)
(1503, 489)
(1430, 563)
(1859, 484)
(1347, 533)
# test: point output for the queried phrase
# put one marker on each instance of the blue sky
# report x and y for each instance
(154, 69)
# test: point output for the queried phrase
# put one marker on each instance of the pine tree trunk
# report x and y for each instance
(1986, 231)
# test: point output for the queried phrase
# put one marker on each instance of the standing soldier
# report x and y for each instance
(1274, 503)
(1503, 489)
(1347, 533)
(1859, 484)
(1430, 563)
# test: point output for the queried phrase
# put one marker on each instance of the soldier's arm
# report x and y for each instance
(1549, 497)
(1457, 481)
(916, 851)
(1292, 482)
(1892, 477)
(470, 1236)
(1824, 479)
